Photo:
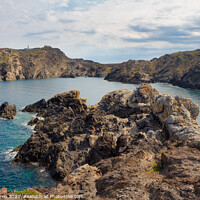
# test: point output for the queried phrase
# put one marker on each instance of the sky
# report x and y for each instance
(106, 31)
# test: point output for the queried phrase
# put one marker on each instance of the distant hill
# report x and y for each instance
(182, 68)
(46, 62)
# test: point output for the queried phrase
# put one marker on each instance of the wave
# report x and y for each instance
(3, 119)
(9, 155)
(25, 124)
(42, 170)
(34, 115)
(41, 118)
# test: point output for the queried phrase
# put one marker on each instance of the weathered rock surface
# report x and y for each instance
(3, 190)
(7, 111)
(177, 116)
(131, 145)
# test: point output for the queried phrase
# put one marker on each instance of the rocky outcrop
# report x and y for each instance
(177, 116)
(3, 190)
(67, 133)
(7, 111)
(131, 145)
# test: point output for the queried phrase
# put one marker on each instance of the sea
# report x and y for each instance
(15, 132)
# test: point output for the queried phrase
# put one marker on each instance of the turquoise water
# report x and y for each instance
(16, 132)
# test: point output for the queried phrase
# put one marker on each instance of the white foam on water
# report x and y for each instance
(25, 124)
(3, 119)
(42, 170)
(41, 118)
(9, 155)
(34, 115)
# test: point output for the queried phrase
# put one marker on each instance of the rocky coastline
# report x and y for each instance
(45, 62)
(181, 68)
(131, 145)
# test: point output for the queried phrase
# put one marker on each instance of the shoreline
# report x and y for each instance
(181, 68)
(122, 125)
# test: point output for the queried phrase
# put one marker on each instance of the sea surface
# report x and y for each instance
(15, 132)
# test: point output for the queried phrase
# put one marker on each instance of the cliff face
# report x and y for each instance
(180, 69)
(46, 62)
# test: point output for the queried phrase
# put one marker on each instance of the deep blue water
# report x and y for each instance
(16, 132)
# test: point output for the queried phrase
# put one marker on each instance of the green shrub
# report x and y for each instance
(156, 168)
(27, 192)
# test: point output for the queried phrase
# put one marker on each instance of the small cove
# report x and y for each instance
(16, 132)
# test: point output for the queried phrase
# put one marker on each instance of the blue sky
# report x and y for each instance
(106, 31)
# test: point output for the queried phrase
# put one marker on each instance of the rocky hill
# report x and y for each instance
(131, 145)
(180, 69)
(46, 62)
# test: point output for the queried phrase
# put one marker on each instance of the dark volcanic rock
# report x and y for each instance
(36, 107)
(131, 145)
(102, 149)
(7, 111)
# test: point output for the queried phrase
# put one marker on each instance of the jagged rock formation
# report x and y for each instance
(131, 145)
(7, 111)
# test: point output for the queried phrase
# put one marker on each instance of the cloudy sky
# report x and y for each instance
(106, 31)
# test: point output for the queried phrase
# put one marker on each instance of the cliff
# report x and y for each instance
(182, 68)
(131, 145)
(46, 62)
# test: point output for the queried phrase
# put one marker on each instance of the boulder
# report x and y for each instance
(102, 149)
(32, 122)
(115, 102)
(8, 111)
(192, 107)
(3, 191)
(10, 76)
(36, 107)
(142, 94)
(82, 181)
(16, 149)
(177, 116)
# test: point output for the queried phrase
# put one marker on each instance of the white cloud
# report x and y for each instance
(86, 28)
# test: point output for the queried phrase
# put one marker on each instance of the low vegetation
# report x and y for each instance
(156, 168)
(27, 192)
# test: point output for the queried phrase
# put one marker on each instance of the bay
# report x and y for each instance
(16, 132)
